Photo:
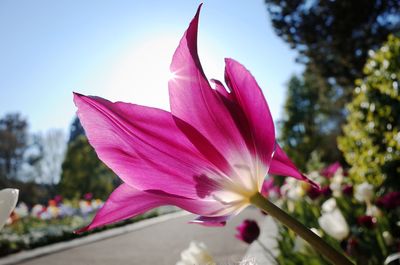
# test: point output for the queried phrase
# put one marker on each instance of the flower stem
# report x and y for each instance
(314, 240)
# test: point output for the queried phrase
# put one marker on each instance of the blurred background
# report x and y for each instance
(328, 69)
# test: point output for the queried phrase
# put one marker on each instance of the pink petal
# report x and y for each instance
(220, 88)
(256, 115)
(282, 165)
(267, 186)
(330, 170)
(193, 100)
(144, 146)
(127, 202)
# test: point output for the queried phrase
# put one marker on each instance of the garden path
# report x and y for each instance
(159, 244)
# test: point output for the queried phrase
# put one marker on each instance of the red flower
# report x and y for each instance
(248, 231)
(366, 221)
(348, 190)
(52, 203)
(351, 247)
(314, 192)
(389, 201)
(326, 191)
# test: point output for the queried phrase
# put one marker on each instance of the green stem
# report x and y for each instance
(314, 240)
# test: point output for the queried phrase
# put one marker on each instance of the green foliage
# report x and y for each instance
(335, 36)
(333, 39)
(75, 130)
(371, 141)
(83, 172)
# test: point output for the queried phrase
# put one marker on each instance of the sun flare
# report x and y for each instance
(141, 72)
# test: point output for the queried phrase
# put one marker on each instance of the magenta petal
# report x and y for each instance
(126, 202)
(220, 88)
(330, 170)
(193, 100)
(250, 99)
(267, 186)
(211, 221)
(282, 165)
(143, 145)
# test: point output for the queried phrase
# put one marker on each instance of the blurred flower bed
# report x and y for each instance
(355, 219)
(39, 225)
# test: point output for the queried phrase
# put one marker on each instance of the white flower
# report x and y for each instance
(329, 205)
(301, 246)
(374, 211)
(388, 238)
(53, 211)
(334, 224)
(336, 183)
(21, 210)
(8, 200)
(37, 209)
(97, 204)
(197, 253)
(292, 189)
(392, 257)
(85, 207)
(315, 176)
(248, 261)
(338, 176)
(364, 192)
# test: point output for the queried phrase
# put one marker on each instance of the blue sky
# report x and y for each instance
(121, 50)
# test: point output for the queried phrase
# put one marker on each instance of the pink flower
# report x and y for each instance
(58, 199)
(330, 170)
(269, 189)
(248, 231)
(88, 196)
(208, 156)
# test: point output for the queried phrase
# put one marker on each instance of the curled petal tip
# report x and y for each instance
(77, 97)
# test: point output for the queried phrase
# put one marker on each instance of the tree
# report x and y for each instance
(76, 130)
(334, 36)
(371, 141)
(47, 168)
(13, 143)
(333, 39)
(305, 127)
(83, 172)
